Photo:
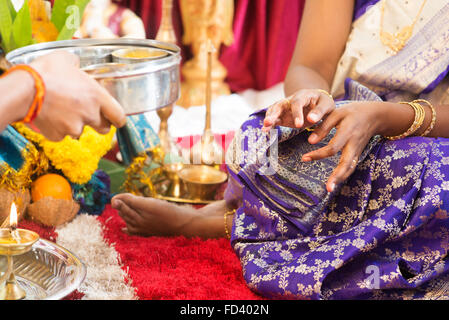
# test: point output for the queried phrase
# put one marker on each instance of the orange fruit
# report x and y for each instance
(51, 185)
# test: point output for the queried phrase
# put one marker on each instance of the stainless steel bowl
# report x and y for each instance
(138, 87)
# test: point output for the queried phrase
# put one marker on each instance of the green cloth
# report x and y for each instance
(116, 172)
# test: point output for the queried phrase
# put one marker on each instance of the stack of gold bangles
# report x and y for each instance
(420, 115)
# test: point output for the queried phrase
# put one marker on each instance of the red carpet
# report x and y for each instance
(177, 268)
(173, 268)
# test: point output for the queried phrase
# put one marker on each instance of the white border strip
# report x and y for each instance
(105, 278)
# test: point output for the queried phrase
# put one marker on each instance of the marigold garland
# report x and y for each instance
(136, 176)
(34, 163)
(76, 158)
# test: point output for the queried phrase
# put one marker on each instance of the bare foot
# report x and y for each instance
(153, 217)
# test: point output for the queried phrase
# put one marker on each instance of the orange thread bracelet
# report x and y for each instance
(39, 96)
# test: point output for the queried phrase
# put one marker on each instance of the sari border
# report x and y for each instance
(411, 52)
(436, 82)
(361, 6)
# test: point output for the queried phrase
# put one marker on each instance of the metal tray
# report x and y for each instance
(48, 271)
(184, 199)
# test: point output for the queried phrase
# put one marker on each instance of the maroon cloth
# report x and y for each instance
(265, 35)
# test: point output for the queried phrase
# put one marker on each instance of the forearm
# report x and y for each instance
(397, 118)
(302, 77)
(17, 92)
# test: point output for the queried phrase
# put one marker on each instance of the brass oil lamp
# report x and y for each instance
(14, 242)
(207, 151)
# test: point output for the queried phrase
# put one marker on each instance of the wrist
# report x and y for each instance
(22, 84)
(392, 118)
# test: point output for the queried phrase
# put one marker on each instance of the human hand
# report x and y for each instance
(356, 123)
(303, 109)
(73, 99)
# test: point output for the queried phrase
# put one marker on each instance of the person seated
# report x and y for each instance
(103, 19)
(343, 198)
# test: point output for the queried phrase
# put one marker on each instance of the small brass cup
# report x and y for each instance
(202, 181)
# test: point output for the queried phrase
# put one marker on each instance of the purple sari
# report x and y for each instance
(382, 234)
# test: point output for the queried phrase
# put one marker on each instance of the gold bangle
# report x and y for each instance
(434, 117)
(228, 234)
(326, 93)
(420, 114)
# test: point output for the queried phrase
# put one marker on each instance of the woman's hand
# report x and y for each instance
(73, 99)
(303, 109)
(356, 123)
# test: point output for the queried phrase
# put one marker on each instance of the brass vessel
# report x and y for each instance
(9, 247)
(201, 181)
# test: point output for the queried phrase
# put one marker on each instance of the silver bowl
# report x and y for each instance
(138, 87)
(47, 271)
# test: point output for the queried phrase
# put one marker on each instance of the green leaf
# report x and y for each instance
(12, 10)
(5, 25)
(59, 12)
(73, 20)
(21, 29)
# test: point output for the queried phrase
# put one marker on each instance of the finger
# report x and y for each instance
(297, 105)
(272, 117)
(321, 109)
(110, 108)
(102, 125)
(273, 113)
(334, 146)
(75, 131)
(72, 129)
(324, 128)
(347, 165)
(51, 135)
(68, 57)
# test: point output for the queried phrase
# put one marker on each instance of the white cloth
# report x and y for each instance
(228, 112)
(364, 48)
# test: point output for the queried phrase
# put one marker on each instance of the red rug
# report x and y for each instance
(161, 268)
(176, 267)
